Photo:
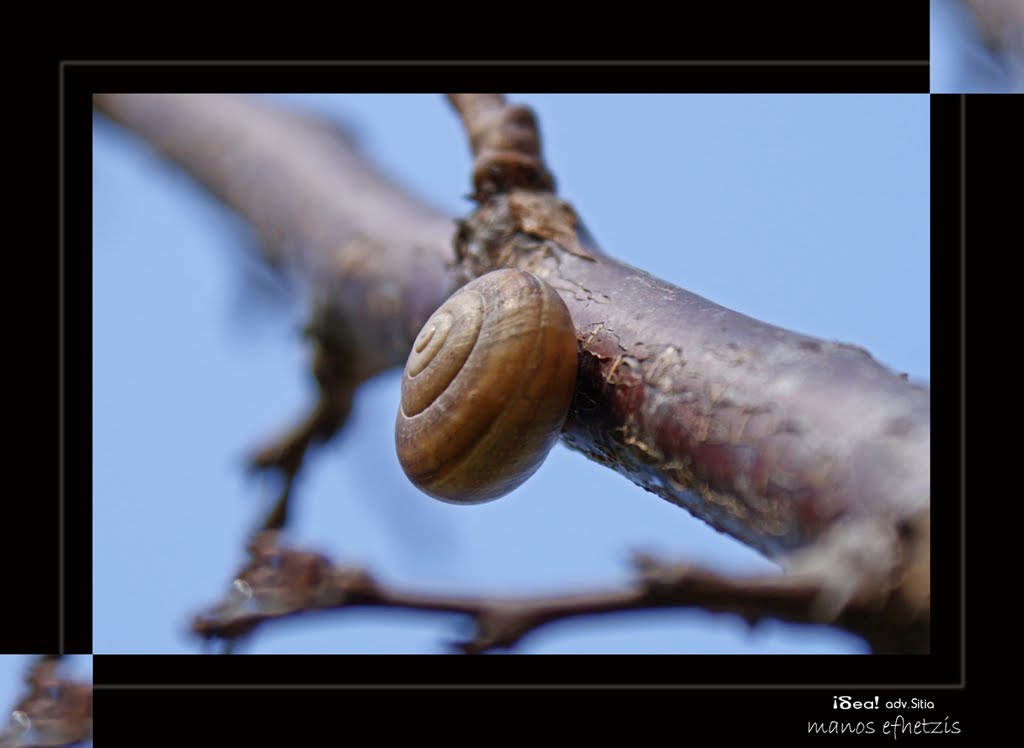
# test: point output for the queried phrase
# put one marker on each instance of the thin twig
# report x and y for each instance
(280, 583)
(506, 145)
(336, 382)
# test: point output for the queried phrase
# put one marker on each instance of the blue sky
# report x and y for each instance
(810, 212)
(12, 674)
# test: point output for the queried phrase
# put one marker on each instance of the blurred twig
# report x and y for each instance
(55, 712)
(280, 582)
(1001, 25)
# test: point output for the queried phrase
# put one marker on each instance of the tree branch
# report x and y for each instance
(56, 711)
(279, 583)
(1001, 25)
(787, 442)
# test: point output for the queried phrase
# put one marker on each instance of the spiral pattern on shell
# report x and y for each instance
(487, 388)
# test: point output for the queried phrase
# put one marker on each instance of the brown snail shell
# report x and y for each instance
(487, 387)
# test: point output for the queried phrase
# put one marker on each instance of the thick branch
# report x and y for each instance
(376, 256)
(767, 434)
(374, 259)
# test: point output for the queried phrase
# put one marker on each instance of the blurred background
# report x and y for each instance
(14, 668)
(977, 46)
(809, 212)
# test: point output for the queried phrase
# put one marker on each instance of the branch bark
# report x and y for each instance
(802, 448)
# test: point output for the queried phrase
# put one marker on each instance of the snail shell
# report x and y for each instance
(486, 388)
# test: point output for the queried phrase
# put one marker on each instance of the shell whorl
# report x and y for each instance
(487, 387)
